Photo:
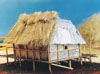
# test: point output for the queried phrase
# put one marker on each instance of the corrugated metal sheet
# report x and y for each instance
(67, 34)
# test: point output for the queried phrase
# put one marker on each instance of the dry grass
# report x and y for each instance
(90, 30)
(34, 30)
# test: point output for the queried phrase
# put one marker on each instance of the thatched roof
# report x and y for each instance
(34, 30)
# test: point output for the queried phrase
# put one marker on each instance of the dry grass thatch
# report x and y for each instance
(90, 30)
(34, 30)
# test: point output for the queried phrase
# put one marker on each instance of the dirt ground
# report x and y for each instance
(41, 68)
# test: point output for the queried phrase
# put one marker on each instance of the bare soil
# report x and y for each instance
(41, 68)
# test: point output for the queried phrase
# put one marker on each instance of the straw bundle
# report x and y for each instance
(34, 30)
(90, 30)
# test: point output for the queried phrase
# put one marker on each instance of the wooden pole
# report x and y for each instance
(20, 57)
(26, 55)
(34, 66)
(58, 53)
(7, 54)
(80, 54)
(84, 48)
(14, 50)
(62, 66)
(50, 68)
(79, 50)
(26, 49)
(33, 59)
(69, 56)
(49, 59)
(90, 53)
(85, 60)
(39, 54)
(90, 49)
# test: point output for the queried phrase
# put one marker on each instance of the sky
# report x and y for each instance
(75, 10)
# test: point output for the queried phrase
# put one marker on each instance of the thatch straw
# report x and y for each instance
(90, 30)
(34, 30)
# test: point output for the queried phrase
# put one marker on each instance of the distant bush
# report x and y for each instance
(90, 29)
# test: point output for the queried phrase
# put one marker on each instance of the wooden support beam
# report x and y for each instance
(84, 48)
(81, 61)
(33, 66)
(70, 64)
(90, 53)
(33, 57)
(58, 57)
(7, 55)
(69, 56)
(39, 54)
(19, 57)
(85, 60)
(90, 59)
(90, 48)
(80, 55)
(79, 50)
(33, 54)
(50, 68)
(49, 59)
(14, 50)
(26, 55)
(62, 66)
(49, 53)
(26, 50)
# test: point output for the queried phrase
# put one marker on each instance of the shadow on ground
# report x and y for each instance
(42, 68)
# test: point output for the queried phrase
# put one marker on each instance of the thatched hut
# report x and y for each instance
(43, 37)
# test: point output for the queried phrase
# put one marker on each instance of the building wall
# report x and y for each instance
(54, 54)
(63, 52)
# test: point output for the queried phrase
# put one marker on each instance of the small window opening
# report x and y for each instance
(21, 46)
(66, 47)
